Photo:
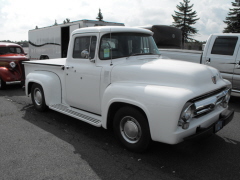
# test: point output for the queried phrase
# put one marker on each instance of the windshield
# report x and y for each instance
(11, 50)
(117, 45)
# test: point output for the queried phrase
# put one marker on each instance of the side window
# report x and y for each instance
(19, 50)
(12, 50)
(145, 45)
(224, 45)
(87, 43)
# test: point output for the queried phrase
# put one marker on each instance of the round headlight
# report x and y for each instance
(226, 99)
(12, 64)
(187, 112)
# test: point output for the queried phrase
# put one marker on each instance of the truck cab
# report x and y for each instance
(222, 52)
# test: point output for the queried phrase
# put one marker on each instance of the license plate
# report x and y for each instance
(218, 126)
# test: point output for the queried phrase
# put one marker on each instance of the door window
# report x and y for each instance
(87, 43)
(224, 45)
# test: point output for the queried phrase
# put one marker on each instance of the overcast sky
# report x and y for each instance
(19, 16)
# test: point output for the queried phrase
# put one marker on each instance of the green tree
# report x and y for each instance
(184, 19)
(233, 19)
(100, 16)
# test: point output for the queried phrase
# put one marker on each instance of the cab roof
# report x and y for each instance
(108, 29)
(5, 44)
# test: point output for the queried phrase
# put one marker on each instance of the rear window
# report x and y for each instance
(224, 45)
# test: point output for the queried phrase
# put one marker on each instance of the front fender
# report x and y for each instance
(8, 75)
(50, 83)
(161, 104)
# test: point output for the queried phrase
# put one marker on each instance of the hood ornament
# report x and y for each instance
(214, 79)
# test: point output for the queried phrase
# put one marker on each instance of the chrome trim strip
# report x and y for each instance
(236, 91)
(208, 104)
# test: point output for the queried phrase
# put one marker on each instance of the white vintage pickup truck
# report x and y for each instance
(221, 51)
(115, 78)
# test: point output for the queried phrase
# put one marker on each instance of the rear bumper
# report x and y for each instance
(213, 128)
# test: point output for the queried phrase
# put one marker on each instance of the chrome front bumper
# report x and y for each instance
(223, 120)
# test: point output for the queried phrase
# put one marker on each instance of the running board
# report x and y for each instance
(78, 114)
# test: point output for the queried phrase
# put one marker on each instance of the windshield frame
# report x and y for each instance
(126, 44)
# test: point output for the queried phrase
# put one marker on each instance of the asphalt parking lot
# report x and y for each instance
(51, 145)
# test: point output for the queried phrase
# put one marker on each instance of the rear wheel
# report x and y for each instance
(2, 84)
(38, 98)
(132, 129)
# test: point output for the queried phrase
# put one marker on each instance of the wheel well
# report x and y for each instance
(30, 87)
(114, 108)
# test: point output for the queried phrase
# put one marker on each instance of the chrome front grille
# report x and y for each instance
(208, 104)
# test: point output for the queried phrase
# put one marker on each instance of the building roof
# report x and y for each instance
(78, 21)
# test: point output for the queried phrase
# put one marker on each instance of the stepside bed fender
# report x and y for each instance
(50, 83)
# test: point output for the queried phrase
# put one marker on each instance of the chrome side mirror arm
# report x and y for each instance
(91, 60)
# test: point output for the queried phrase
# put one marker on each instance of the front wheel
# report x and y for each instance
(38, 98)
(132, 129)
(2, 84)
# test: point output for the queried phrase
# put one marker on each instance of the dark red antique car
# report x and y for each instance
(11, 67)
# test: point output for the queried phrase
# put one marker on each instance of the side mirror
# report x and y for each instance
(85, 54)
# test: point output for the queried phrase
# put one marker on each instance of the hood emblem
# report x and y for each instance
(214, 79)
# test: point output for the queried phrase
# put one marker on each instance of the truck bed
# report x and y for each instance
(54, 66)
(49, 62)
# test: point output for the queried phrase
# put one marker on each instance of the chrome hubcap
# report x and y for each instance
(130, 129)
(37, 96)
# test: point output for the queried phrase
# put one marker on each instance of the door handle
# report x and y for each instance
(68, 67)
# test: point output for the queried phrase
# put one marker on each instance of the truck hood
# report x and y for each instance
(9, 57)
(13, 56)
(166, 72)
(17, 58)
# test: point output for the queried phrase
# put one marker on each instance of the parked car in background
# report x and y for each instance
(11, 68)
(221, 52)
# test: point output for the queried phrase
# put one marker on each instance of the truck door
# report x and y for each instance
(82, 77)
(221, 54)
